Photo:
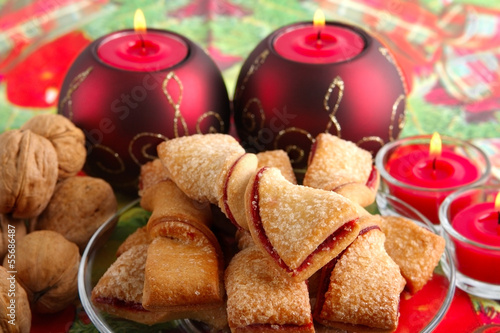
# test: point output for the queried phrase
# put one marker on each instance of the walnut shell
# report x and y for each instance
(79, 206)
(68, 140)
(28, 174)
(47, 268)
(15, 313)
(11, 232)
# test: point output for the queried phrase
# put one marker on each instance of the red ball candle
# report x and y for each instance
(423, 175)
(144, 87)
(309, 78)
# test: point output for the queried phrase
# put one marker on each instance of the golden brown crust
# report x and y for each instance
(151, 173)
(341, 166)
(258, 297)
(232, 188)
(119, 292)
(244, 239)
(195, 162)
(294, 224)
(193, 274)
(139, 237)
(279, 159)
(415, 249)
(170, 208)
(124, 279)
(364, 286)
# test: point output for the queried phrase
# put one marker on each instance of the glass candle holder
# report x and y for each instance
(409, 172)
(473, 238)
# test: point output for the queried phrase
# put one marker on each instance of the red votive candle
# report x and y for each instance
(474, 233)
(423, 179)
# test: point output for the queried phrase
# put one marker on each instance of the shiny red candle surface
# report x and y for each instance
(318, 45)
(142, 51)
(478, 223)
(435, 176)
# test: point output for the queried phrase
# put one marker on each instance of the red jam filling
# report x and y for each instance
(118, 303)
(372, 178)
(312, 152)
(230, 215)
(326, 272)
(329, 242)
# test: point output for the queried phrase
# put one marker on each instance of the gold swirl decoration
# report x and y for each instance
(401, 119)
(296, 153)
(250, 118)
(336, 85)
(73, 86)
(144, 155)
(257, 63)
(114, 155)
(172, 81)
(211, 129)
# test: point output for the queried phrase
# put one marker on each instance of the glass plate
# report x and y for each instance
(422, 312)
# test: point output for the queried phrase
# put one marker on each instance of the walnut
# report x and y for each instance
(47, 269)
(15, 313)
(79, 206)
(28, 173)
(68, 140)
(11, 231)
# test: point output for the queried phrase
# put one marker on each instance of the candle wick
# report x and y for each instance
(319, 42)
(143, 45)
(434, 164)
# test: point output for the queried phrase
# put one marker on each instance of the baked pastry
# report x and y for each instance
(195, 163)
(151, 173)
(232, 190)
(182, 276)
(339, 165)
(415, 249)
(139, 237)
(120, 290)
(174, 214)
(260, 300)
(279, 159)
(361, 288)
(300, 228)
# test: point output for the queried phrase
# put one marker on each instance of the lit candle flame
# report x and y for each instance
(139, 21)
(319, 19)
(435, 148)
(497, 202)
(435, 145)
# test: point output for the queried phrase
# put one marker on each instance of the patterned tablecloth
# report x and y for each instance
(449, 50)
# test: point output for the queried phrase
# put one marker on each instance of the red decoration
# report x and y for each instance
(284, 104)
(125, 114)
(40, 88)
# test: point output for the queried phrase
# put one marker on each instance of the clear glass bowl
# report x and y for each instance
(435, 298)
